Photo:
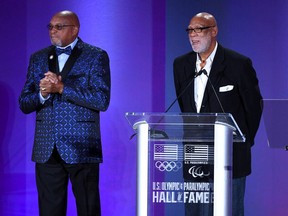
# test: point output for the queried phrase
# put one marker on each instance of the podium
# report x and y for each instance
(169, 142)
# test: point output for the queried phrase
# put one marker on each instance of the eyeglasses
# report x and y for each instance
(57, 26)
(197, 30)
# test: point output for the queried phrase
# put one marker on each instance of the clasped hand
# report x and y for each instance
(51, 83)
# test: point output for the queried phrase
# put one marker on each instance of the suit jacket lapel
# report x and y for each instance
(215, 75)
(218, 66)
(53, 61)
(189, 73)
(70, 62)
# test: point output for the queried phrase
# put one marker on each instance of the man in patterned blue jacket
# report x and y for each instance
(68, 84)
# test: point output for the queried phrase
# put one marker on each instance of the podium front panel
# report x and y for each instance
(180, 177)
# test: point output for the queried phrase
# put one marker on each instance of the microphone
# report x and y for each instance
(219, 102)
(184, 90)
(161, 134)
(196, 74)
(199, 73)
(215, 93)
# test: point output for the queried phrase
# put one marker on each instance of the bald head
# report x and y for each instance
(68, 16)
(206, 18)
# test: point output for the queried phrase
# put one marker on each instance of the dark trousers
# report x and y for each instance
(52, 184)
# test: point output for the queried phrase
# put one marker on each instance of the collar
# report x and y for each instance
(73, 44)
(210, 57)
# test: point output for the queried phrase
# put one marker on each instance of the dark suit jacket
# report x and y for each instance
(243, 101)
(70, 121)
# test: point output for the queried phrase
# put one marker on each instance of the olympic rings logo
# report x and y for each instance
(168, 166)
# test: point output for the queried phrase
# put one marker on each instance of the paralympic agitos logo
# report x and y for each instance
(198, 172)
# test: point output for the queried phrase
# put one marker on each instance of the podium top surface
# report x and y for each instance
(184, 126)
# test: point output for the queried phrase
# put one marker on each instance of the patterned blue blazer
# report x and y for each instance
(69, 121)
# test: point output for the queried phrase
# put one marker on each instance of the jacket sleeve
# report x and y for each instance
(251, 98)
(29, 100)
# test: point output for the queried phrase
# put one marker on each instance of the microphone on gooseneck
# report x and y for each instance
(199, 73)
(196, 74)
(159, 133)
(219, 102)
(184, 90)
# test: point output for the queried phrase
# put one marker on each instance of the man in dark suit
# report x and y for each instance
(68, 84)
(235, 82)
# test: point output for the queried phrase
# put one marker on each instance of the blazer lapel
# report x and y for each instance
(53, 61)
(189, 73)
(218, 66)
(215, 75)
(70, 62)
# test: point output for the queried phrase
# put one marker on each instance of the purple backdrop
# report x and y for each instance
(142, 39)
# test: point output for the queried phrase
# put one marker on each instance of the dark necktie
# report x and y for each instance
(60, 51)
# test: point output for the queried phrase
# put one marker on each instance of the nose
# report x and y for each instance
(192, 34)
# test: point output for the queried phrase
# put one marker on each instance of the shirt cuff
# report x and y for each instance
(42, 99)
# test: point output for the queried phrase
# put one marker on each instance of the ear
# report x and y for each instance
(214, 31)
(75, 31)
